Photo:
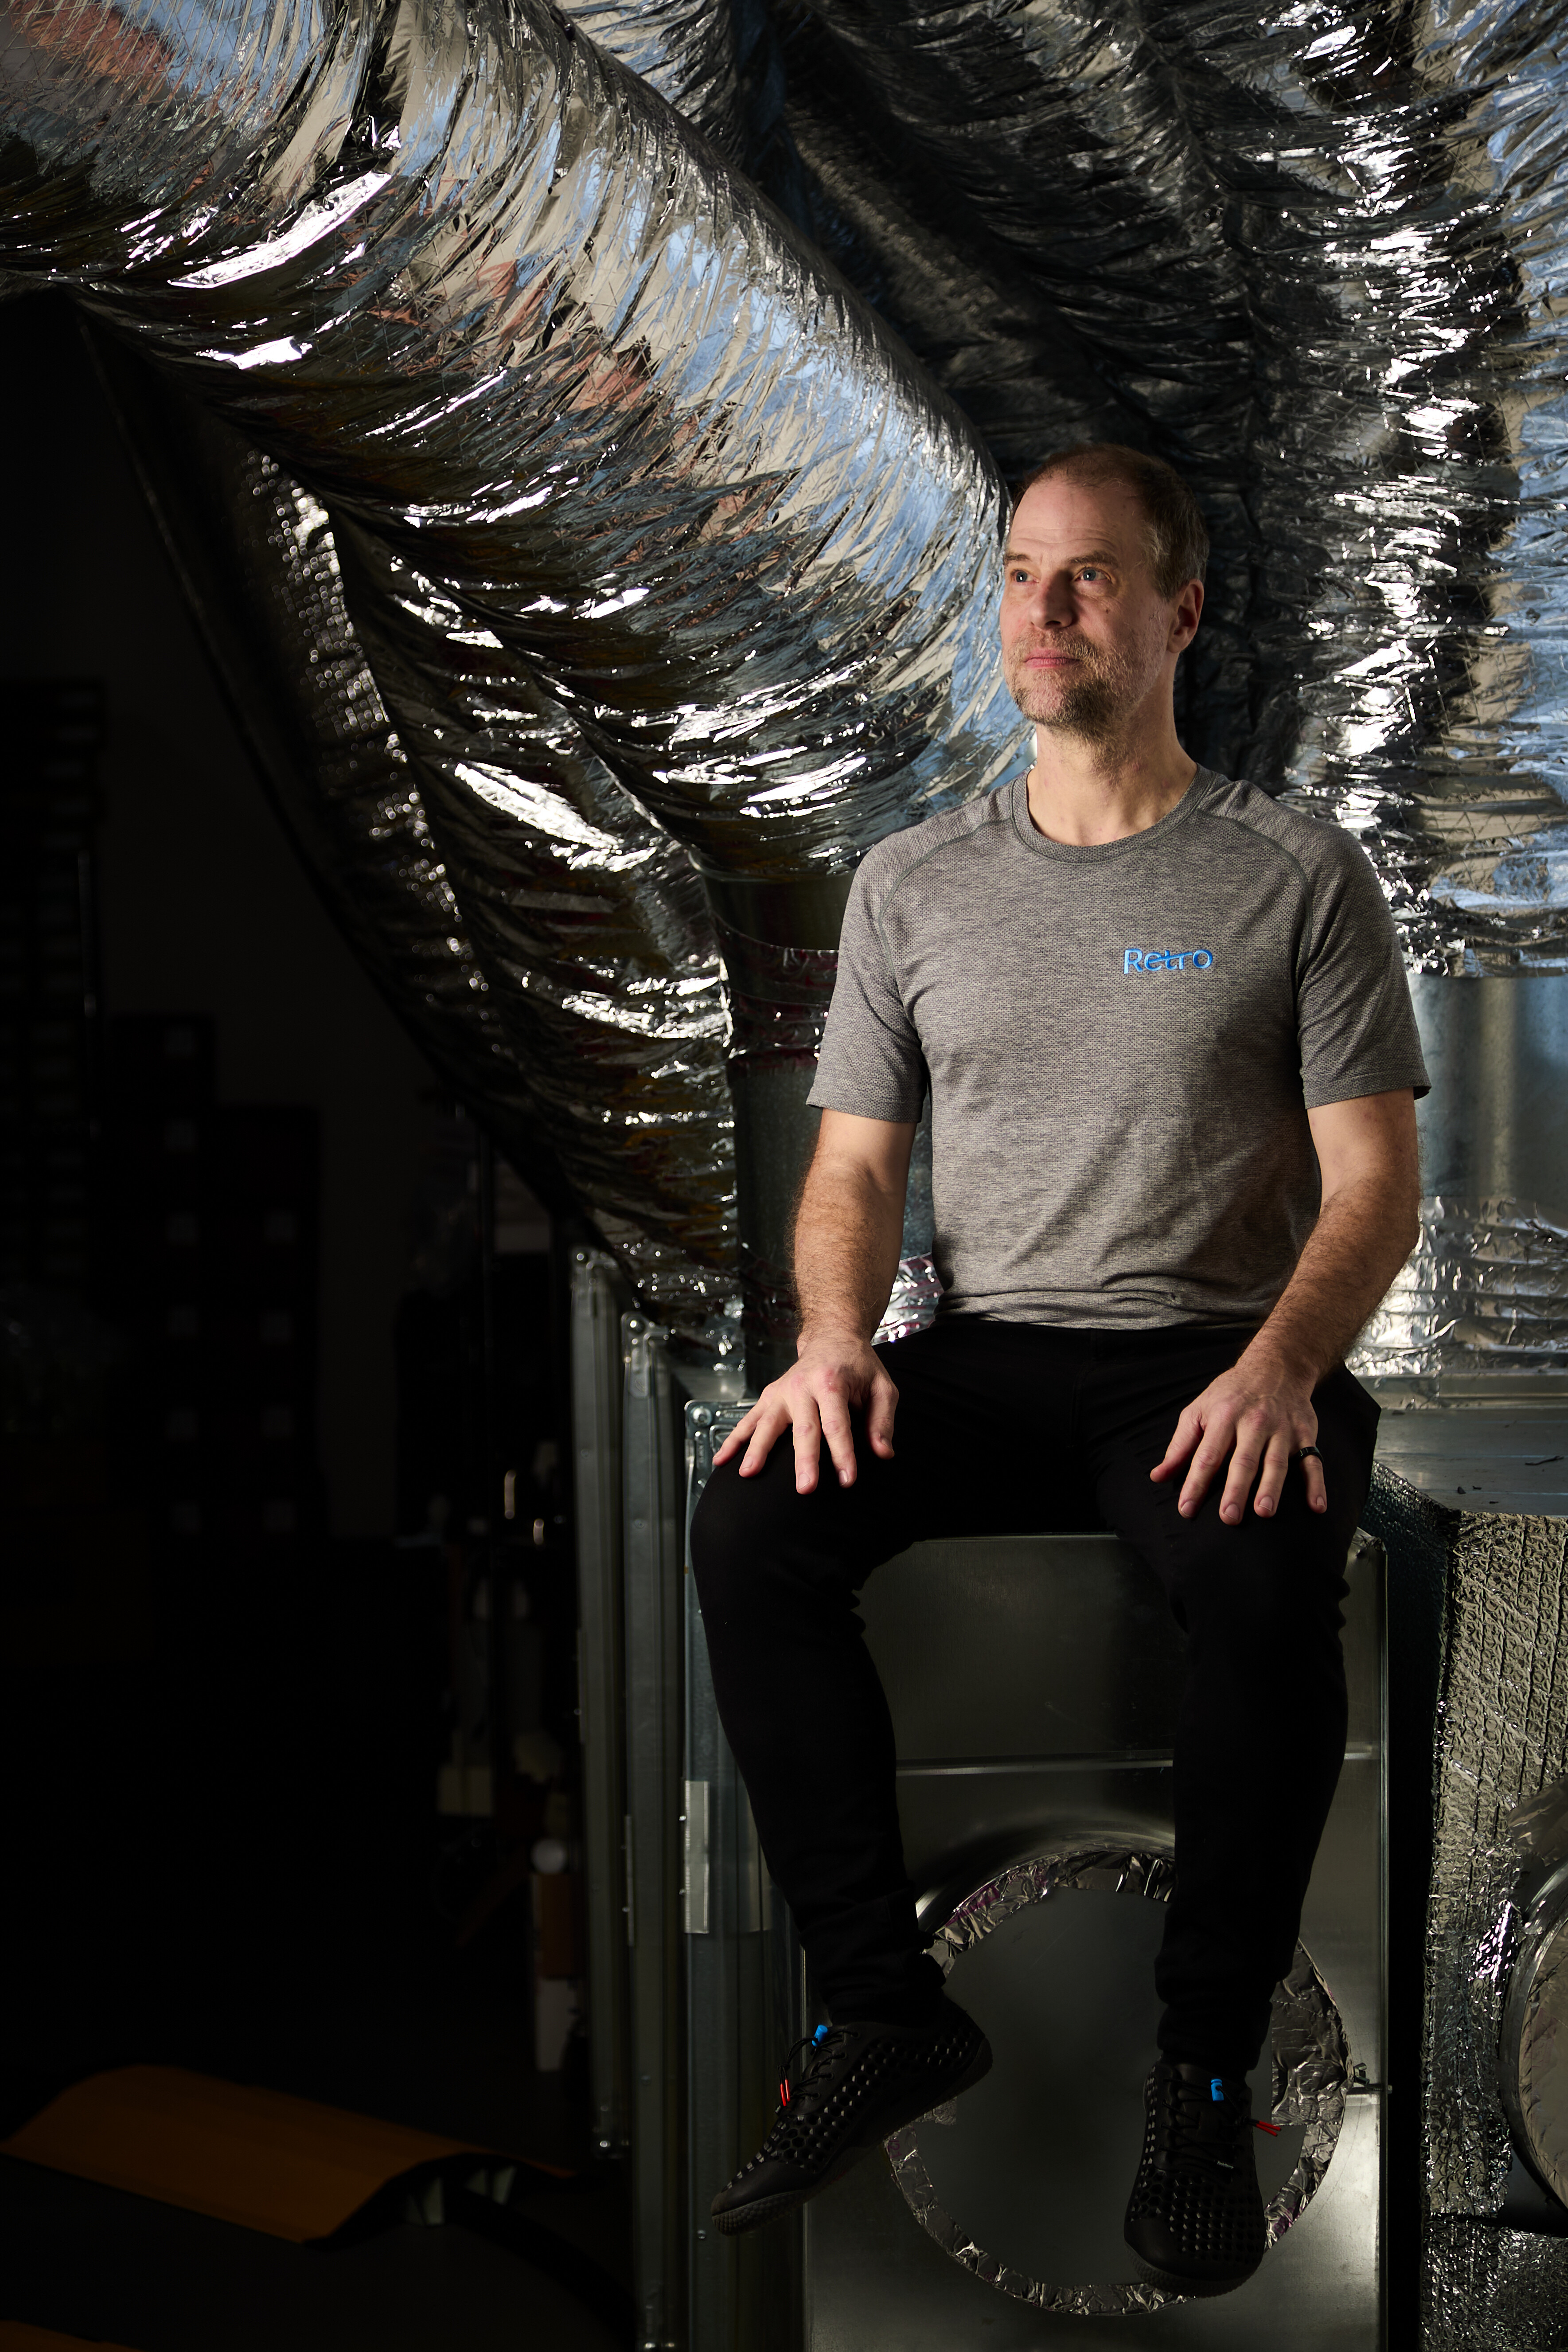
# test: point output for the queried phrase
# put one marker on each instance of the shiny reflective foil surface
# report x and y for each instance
(592, 927)
(1311, 2068)
(1485, 1289)
(476, 288)
(1313, 256)
(686, 49)
(475, 817)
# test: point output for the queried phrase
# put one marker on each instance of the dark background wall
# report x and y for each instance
(220, 1843)
(203, 905)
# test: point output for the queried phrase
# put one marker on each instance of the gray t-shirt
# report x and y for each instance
(1121, 1044)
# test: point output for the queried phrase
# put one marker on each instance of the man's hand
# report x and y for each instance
(814, 1400)
(1258, 1414)
(846, 1253)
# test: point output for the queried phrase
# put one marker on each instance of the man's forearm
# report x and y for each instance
(1362, 1236)
(847, 1235)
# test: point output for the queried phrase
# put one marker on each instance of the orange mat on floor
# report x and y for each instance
(16, 2337)
(285, 2165)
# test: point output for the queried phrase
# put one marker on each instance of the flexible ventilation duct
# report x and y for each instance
(596, 1056)
(1311, 259)
(686, 49)
(482, 294)
(481, 290)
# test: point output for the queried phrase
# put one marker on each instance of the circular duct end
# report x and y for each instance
(1024, 2181)
(1533, 2055)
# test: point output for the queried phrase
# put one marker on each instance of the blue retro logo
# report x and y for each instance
(1166, 959)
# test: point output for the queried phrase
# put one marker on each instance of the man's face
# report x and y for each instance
(1087, 638)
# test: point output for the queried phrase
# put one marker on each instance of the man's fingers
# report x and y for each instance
(807, 1430)
(737, 1436)
(881, 1407)
(814, 1402)
(1244, 1464)
(769, 1422)
(1184, 1437)
(1317, 1485)
(840, 1439)
(1209, 1459)
(1276, 1465)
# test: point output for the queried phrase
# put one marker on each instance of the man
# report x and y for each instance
(1173, 1068)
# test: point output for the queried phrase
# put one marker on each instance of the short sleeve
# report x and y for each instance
(1356, 1024)
(871, 1063)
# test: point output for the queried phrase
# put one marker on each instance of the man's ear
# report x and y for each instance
(1189, 612)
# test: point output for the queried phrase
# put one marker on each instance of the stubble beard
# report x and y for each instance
(1091, 702)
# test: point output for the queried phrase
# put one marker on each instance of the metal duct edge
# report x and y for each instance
(1311, 2072)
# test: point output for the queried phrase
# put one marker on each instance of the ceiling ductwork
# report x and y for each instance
(561, 384)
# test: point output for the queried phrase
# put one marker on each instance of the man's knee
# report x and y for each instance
(723, 1530)
(1256, 1588)
(744, 1536)
(756, 1542)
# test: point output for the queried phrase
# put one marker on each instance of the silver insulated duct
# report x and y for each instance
(486, 298)
(609, 1098)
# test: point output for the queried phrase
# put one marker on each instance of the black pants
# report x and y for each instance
(1011, 1428)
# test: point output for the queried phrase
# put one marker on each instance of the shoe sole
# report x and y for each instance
(763, 2209)
(1193, 2289)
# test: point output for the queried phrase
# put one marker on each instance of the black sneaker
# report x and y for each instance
(1195, 2219)
(860, 2083)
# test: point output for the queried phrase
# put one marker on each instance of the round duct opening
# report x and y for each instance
(1024, 2181)
(1534, 2049)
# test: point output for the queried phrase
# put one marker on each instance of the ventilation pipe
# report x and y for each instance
(588, 1093)
(484, 296)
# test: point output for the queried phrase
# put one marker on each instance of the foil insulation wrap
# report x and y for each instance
(913, 1301)
(1485, 1289)
(778, 999)
(547, 947)
(482, 291)
(592, 931)
(1313, 257)
(1311, 2070)
(1502, 1736)
(629, 477)
(917, 1291)
(686, 49)
(1490, 2289)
